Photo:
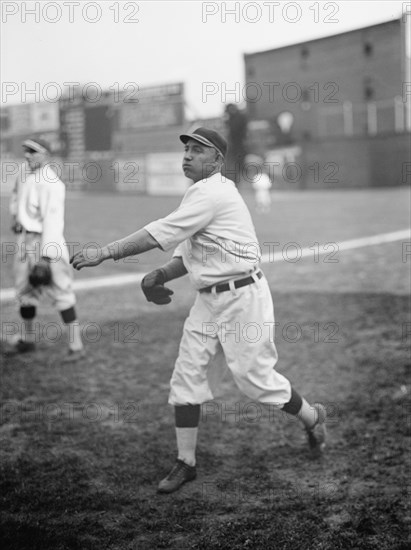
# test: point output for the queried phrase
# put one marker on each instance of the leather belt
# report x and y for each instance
(223, 287)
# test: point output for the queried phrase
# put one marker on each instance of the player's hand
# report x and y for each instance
(88, 257)
(153, 287)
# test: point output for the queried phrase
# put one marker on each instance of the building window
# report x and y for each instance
(368, 49)
(305, 100)
(369, 91)
(251, 71)
(305, 95)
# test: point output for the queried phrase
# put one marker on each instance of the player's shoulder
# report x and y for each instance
(49, 183)
(220, 183)
(216, 187)
(226, 193)
(48, 176)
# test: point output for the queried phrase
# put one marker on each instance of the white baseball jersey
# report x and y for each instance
(214, 231)
(37, 202)
(261, 182)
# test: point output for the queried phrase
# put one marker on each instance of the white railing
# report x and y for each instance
(371, 118)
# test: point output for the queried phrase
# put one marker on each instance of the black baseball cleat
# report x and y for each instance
(24, 347)
(317, 434)
(180, 474)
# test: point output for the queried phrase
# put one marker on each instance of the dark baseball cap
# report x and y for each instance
(36, 144)
(207, 137)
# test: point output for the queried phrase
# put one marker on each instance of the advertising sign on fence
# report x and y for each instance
(164, 174)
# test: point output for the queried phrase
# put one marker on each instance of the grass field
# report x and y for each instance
(83, 448)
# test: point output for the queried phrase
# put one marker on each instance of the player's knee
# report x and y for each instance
(28, 312)
(69, 315)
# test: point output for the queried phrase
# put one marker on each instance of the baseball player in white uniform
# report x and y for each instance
(37, 210)
(262, 184)
(215, 243)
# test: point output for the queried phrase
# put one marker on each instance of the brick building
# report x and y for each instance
(335, 109)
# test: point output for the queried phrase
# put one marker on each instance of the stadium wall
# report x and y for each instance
(357, 162)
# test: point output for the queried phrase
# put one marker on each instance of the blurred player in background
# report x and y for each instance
(41, 264)
(261, 183)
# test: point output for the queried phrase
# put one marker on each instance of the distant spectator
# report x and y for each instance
(236, 129)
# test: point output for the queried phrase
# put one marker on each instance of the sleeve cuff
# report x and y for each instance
(158, 236)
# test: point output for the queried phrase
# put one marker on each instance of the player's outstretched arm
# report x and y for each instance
(136, 243)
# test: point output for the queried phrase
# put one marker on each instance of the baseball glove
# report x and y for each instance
(40, 274)
(154, 289)
(17, 228)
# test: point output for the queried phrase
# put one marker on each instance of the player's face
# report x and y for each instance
(199, 161)
(34, 159)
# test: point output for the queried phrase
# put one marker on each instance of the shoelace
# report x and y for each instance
(178, 469)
